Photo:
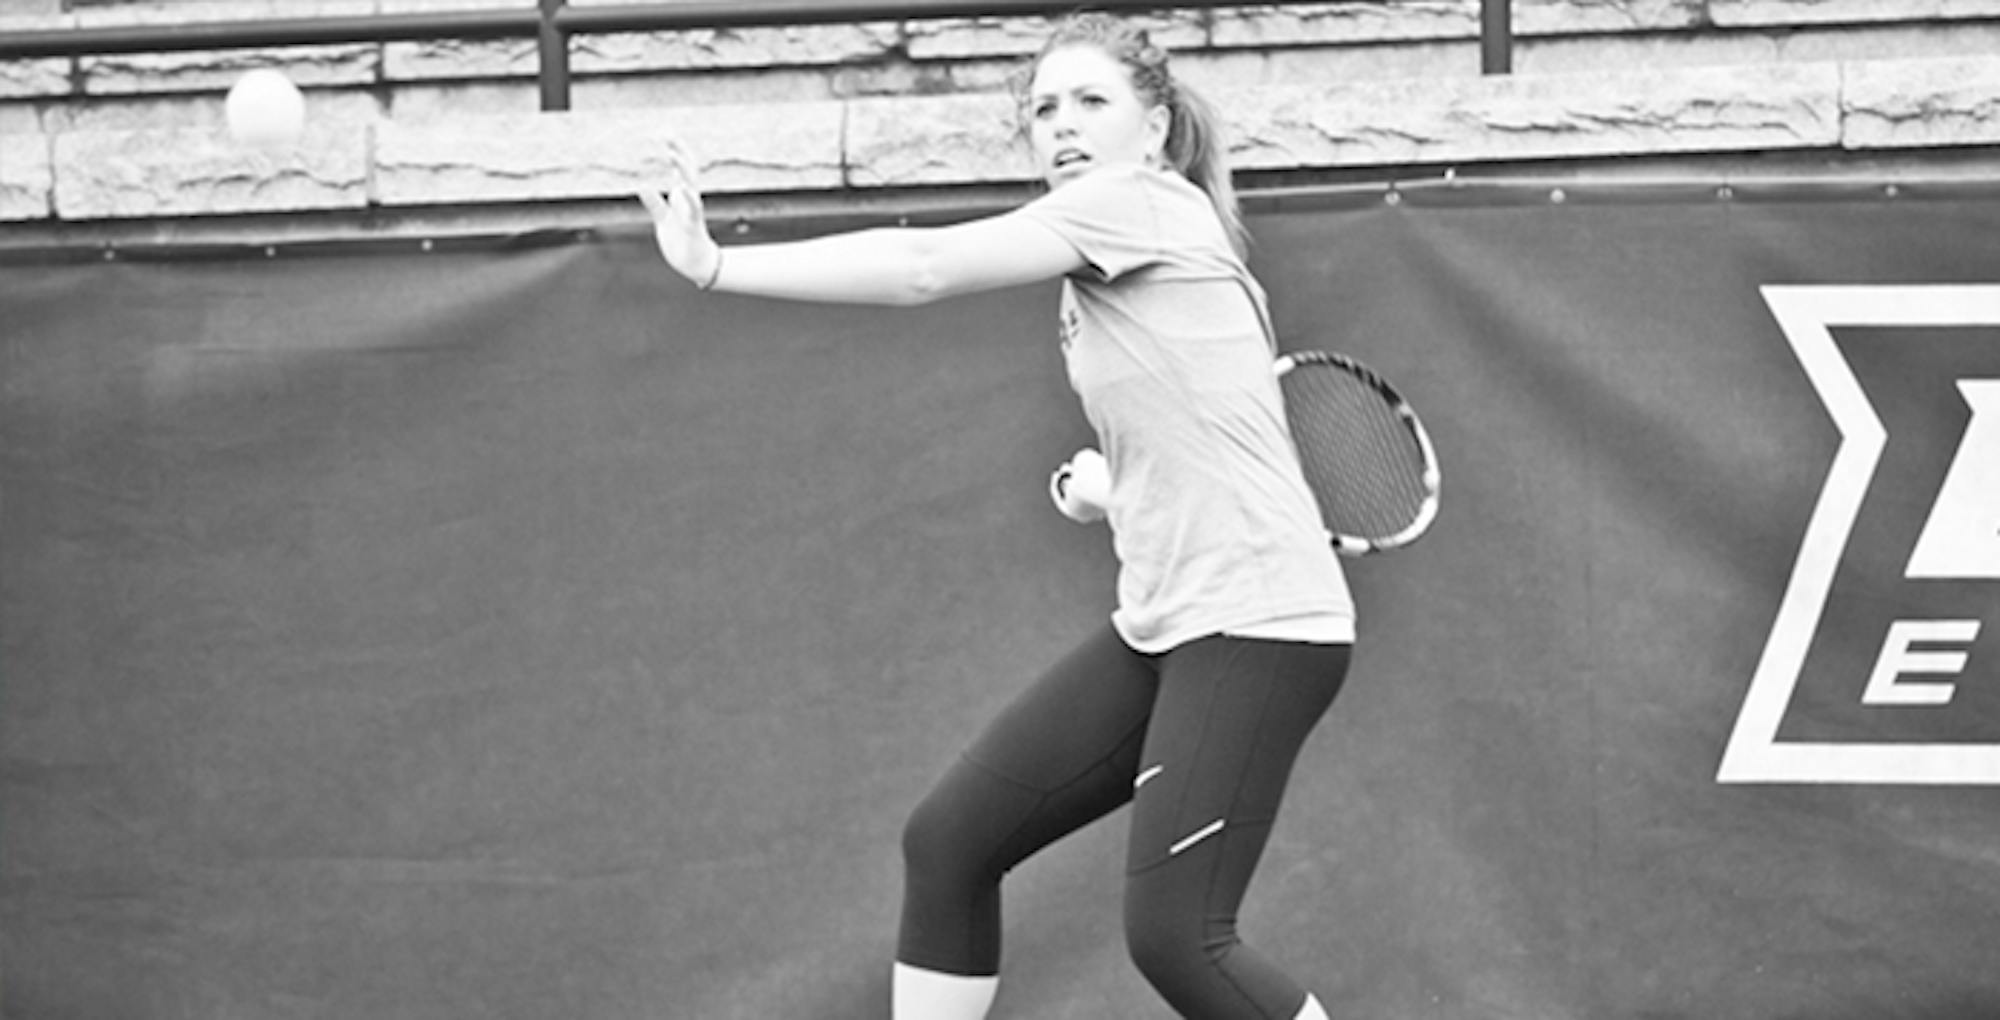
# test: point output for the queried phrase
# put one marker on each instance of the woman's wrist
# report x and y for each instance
(714, 272)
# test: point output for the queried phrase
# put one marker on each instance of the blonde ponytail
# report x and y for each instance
(1198, 147)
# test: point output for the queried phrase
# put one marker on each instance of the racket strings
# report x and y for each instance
(1359, 455)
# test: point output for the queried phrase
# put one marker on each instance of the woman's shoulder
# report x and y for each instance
(1122, 191)
(1139, 177)
(1123, 217)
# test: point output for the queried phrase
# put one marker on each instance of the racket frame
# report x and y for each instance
(1431, 476)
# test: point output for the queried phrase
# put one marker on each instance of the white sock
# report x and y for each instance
(919, 994)
(1311, 1010)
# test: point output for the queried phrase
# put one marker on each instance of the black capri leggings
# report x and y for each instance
(1200, 740)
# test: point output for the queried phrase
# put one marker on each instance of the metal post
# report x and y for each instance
(1496, 37)
(553, 53)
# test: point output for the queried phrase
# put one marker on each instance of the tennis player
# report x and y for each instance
(1233, 625)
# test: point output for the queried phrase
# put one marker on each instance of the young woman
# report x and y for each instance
(1233, 624)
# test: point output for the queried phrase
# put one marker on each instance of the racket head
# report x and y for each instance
(1366, 456)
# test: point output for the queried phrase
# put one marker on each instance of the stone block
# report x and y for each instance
(34, 79)
(1217, 71)
(596, 154)
(780, 86)
(928, 78)
(1269, 25)
(200, 172)
(1914, 41)
(1894, 104)
(635, 52)
(1797, 45)
(203, 110)
(699, 49)
(459, 59)
(935, 140)
(196, 71)
(1776, 13)
(183, 12)
(19, 119)
(1537, 117)
(1597, 17)
(27, 179)
(216, 70)
(437, 102)
(1648, 52)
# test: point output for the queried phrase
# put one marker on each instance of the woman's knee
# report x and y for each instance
(1169, 942)
(934, 835)
(1162, 960)
(1200, 966)
(961, 826)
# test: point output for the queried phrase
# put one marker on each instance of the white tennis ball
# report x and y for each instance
(266, 110)
(1090, 477)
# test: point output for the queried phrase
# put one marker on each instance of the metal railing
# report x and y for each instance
(552, 22)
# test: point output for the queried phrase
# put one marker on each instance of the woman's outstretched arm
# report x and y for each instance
(884, 266)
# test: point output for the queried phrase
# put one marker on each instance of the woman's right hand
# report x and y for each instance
(679, 226)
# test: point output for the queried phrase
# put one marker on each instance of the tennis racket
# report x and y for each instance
(1367, 458)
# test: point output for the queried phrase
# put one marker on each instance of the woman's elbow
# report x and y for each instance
(925, 278)
(922, 288)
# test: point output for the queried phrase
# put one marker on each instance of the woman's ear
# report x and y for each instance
(1159, 125)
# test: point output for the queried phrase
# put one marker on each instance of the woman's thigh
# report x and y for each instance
(1073, 738)
(1227, 725)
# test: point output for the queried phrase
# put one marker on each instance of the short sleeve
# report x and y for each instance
(1110, 216)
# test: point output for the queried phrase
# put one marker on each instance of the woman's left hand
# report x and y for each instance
(679, 226)
(1081, 488)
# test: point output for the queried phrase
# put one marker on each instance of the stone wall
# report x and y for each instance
(406, 127)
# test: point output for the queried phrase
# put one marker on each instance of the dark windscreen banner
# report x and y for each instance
(509, 631)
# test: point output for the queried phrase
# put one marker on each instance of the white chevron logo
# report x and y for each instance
(1960, 540)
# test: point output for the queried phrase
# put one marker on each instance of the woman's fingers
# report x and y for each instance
(682, 192)
(679, 225)
(655, 205)
(683, 164)
(686, 206)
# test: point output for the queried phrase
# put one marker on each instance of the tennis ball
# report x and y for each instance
(265, 110)
(1090, 477)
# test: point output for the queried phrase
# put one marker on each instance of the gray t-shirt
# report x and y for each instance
(1166, 340)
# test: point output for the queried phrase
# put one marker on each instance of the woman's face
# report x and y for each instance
(1083, 112)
